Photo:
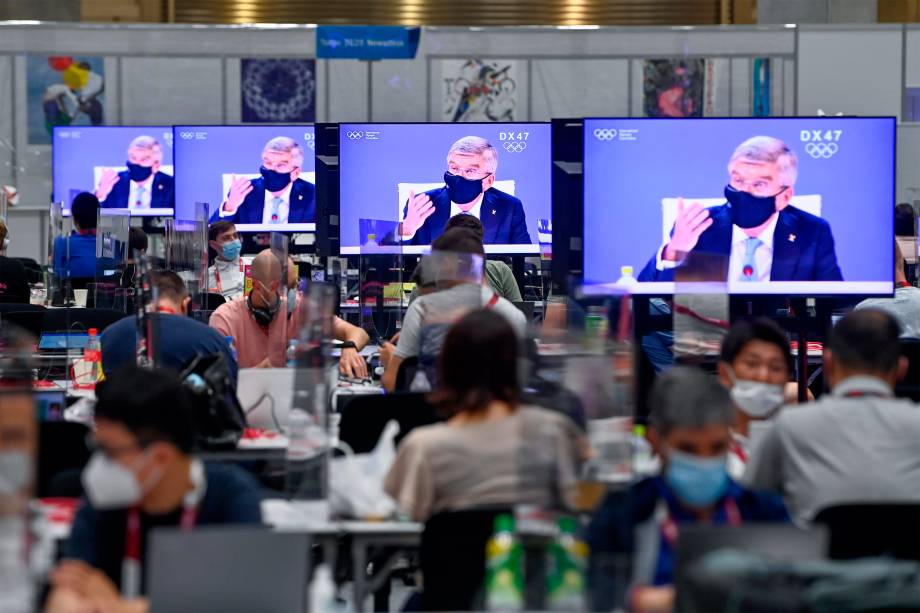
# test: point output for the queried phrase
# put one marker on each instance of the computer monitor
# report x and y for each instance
(262, 178)
(831, 179)
(380, 165)
(127, 167)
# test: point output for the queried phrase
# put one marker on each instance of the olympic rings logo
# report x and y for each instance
(186, 135)
(821, 150)
(605, 133)
(514, 146)
(354, 135)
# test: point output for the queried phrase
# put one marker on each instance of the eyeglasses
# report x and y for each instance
(472, 174)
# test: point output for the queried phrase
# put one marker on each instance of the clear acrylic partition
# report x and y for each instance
(283, 332)
(382, 295)
(57, 283)
(111, 260)
(187, 254)
(700, 308)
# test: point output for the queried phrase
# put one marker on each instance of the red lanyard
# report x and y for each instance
(669, 529)
(131, 564)
(220, 288)
(903, 284)
(163, 309)
(493, 301)
(739, 451)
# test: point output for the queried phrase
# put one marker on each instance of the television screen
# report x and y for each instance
(127, 167)
(801, 206)
(400, 183)
(262, 178)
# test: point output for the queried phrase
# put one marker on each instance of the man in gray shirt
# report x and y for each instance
(857, 444)
(905, 306)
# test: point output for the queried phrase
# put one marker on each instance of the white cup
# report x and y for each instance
(79, 297)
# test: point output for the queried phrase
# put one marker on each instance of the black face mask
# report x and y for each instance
(273, 180)
(138, 173)
(264, 315)
(462, 190)
(747, 210)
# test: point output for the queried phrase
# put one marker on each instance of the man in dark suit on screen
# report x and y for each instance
(471, 165)
(279, 196)
(764, 237)
(142, 186)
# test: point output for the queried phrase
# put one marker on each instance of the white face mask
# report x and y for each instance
(15, 472)
(109, 485)
(756, 398)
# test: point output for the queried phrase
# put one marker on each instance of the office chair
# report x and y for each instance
(870, 530)
(364, 417)
(212, 301)
(30, 320)
(909, 386)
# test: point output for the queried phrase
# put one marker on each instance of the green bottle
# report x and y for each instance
(504, 569)
(566, 566)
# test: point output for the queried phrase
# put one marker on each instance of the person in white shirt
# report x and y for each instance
(763, 236)
(905, 306)
(143, 186)
(226, 275)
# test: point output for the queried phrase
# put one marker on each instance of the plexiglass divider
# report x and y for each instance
(106, 291)
(187, 253)
(383, 294)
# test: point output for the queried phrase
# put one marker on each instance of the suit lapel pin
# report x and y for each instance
(160, 186)
(300, 196)
(792, 238)
(493, 211)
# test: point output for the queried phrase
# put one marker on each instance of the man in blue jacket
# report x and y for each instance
(143, 185)
(279, 196)
(764, 237)
(471, 165)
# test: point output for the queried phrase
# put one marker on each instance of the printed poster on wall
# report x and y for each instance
(760, 87)
(480, 90)
(673, 88)
(278, 90)
(63, 90)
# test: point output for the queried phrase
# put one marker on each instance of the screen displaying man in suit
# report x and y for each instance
(142, 186)
(471, 165)
(280, 196)
(764, 237)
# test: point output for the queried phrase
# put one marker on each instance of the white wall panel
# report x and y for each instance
(348, 91)
(579, 88)
(400, 90)
(172, 90)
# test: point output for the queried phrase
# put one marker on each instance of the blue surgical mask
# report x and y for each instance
(747, 210)
(291, 298)
(699, 482)
(462, 190)
(138, 173)
(231, 251)
(273, 180)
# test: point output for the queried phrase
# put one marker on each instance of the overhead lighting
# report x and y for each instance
(578, 27)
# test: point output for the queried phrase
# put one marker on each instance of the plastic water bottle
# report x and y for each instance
(504, 570)
(290, 355)
(232, 347)
(92, 353)
(566, 566)
(420, 382)
(322, 591)
(370, 245)
(626, 280)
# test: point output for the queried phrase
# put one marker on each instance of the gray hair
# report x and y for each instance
(476, 145)
(686, 397)
(767, 149)
(149, 143)
(283, 144)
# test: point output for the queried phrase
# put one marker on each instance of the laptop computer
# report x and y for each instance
(63, 342)
(266, 395)
(206, 570)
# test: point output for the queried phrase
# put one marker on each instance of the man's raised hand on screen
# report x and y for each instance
(419, 208)
(691, 222)
(107, 181)
(239, 189)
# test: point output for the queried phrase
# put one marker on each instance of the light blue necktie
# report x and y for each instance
(276, 206)
(139, 196)
(749, 268)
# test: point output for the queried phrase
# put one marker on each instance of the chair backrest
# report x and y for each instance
(63, 453)
(202, 315)
(80, 319)
(213, 300)
(453, 559)
(909, 385)
(364, 417)
(868, 530)
(34, 272)
(30, 321)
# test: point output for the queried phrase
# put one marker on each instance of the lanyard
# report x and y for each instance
(220, 287)
(163, 309)
(739, 451)
(669, 529)
(492, 301)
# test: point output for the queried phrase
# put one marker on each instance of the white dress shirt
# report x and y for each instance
(455, 209)
(226, 278)
(283, 209)
(147, 184)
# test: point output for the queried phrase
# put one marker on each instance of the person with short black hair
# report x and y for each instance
(755, 365)
(179, 338)
(473, 459)
(226, 275)
(14, 283)
(690, 429)
(143, 475)
(75, 255)
(455, 268)
(858, 443)
(498, 274)
(137, 241)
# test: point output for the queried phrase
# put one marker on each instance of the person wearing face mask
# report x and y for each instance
(14, 282)
(143, 185)
(226, 276)
(279, 196)
(763, 236)
(755, 365)
(143, 475)
(179, 338)
(690, 429)
(468, 190)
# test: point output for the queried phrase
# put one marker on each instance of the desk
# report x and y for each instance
(287, 516)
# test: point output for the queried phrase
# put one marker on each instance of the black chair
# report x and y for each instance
(364, 417)
(870, 530)
(29, 320)
(80, 319)
(34, 272)
(203, 315)
(63, 453)
(212, 301)
(453, 559)
(19, 307)
(909, 386)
